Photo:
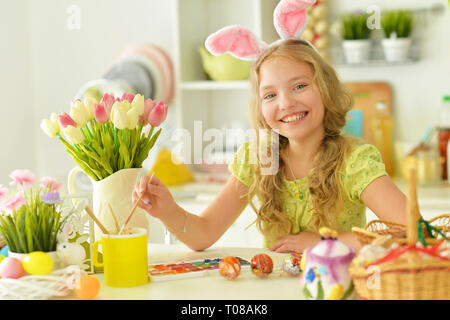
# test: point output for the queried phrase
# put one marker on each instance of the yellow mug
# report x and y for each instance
(125, 262)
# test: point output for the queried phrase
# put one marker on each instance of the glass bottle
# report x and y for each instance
(444, 133)
(382, 125)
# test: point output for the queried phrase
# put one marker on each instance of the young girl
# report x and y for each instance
(323, 179)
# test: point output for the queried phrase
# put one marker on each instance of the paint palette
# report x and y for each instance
(180, 270)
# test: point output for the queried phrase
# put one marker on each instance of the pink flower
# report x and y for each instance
(3, 191)
(22, 178)
(15, 202)
(100, 113)
(49, 182)
(149, 104)
(128, 97)
(108, 101)
(65, 120)
(158, 114)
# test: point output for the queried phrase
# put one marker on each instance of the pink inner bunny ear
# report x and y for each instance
(238, 41)
(290, 17)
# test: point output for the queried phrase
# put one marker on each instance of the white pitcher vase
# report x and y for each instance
(115, 190)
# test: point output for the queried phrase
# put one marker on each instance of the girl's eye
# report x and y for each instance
(269, 96)
(300, 86)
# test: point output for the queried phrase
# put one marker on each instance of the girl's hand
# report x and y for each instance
(297, 243)
(156, 198)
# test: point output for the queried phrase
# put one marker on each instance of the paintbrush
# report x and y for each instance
(134, 208)
(114, 218)
(99, 224)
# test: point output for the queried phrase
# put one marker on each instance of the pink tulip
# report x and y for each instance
(108, 101)
(128, 97)
(15, 202)
(149, 104)
(158, 114)
(22, 178)
(65, 120)
(53, 184)
(100, 113)
(3, 191)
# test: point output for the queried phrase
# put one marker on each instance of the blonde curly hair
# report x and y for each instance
(325, 180)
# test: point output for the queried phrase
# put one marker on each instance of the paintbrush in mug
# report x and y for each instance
(134, 208)
(99, 224)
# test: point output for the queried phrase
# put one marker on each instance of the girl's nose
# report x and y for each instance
(286, 101)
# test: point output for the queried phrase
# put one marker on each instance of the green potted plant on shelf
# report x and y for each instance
(355, 37)
(397, 26)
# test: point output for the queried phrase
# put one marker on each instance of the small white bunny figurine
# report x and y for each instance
(70, 253)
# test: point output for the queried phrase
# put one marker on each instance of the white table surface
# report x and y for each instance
(212, 286)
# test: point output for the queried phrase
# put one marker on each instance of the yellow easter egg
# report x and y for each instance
(37, 263)
(303, 261)
(336, 292)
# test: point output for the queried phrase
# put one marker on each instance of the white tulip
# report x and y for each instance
(49, 128)
(74, 134)
(119, 115)
(138, 103)
(79, 114)
(89, 103)
(133, 118)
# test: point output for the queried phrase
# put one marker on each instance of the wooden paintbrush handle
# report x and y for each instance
(99, 224)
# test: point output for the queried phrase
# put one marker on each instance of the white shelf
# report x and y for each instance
(377, 63)
(215, 85)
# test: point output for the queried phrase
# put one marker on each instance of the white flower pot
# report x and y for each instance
(356, 51)
(52, 254)
(396, 49)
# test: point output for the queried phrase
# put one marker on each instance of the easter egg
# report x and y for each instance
(230, 267)
(11, 268)
(88, 288)
(38, 263)
(261, 265)
(4, 251)
(291, 264)
(2, 258)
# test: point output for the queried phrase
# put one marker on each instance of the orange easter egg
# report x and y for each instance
(88, 288)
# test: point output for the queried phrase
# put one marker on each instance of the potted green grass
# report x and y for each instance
(397, 26)
(31, 217)
(355, 37)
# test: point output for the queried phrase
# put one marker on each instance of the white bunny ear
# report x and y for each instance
(236, 40)
(289, 18)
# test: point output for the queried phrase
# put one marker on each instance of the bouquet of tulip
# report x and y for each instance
(105, 137)
(31, 217)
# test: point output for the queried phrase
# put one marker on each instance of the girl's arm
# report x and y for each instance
(386, 200)
(198, 232)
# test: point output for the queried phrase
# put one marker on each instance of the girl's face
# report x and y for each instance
(290, 99)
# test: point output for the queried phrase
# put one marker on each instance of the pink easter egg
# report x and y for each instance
(11, 268)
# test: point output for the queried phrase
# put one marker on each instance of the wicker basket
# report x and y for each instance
(58, 283)
(408, 276)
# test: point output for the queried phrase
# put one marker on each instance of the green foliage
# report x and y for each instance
(34, 226)
(398, 21)
(355, 26)
(106, 149)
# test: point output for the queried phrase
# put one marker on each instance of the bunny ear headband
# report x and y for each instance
(289, 19)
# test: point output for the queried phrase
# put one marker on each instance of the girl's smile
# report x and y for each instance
(290, 100)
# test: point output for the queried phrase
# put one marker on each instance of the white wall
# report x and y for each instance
(43, 64)
(16, 108)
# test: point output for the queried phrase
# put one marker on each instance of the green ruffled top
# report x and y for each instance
(363, 165)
